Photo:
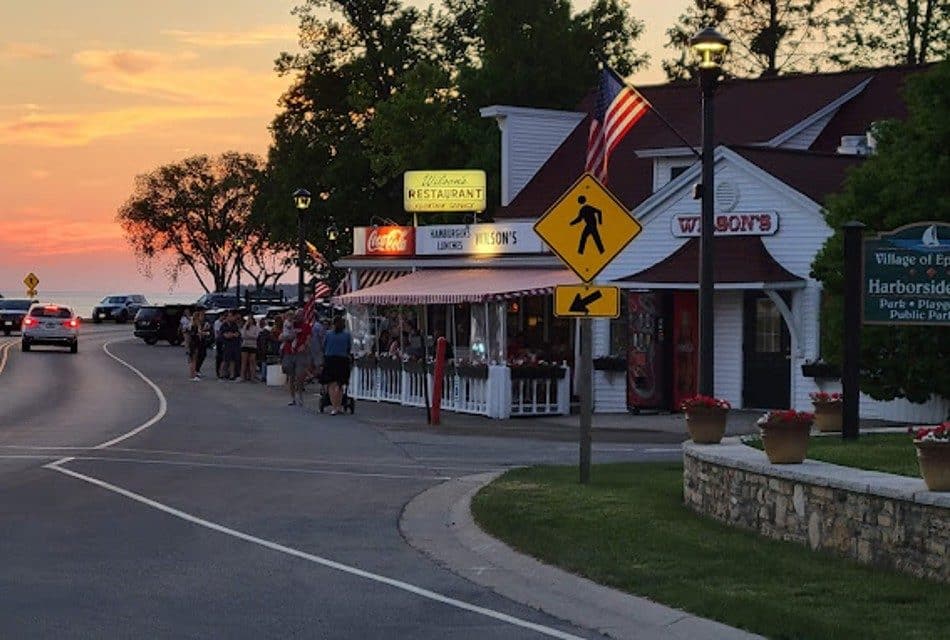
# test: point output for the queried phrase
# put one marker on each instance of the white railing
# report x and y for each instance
(497, 396)
(541, 396)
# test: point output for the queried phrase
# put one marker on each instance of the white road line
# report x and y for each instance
(248, 467)
(162, 404)
(331, 564)
(5, 349)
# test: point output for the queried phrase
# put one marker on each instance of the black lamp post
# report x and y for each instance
(239, 243)
(710, 47)
(302, 202)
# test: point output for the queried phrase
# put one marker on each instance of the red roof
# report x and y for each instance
(747, 112)
(814, 174)
(739, 259)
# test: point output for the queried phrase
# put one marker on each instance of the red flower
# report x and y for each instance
(824, 396)
(704, 401)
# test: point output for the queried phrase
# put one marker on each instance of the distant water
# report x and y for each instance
(84, 301)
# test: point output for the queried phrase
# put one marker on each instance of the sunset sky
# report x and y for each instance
(97, 92)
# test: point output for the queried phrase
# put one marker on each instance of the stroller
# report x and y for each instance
(349, 404)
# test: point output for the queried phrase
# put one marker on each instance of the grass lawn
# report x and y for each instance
(629, 529)
(888, 452)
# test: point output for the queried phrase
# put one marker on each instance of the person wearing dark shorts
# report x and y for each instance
(231, 340)
(337, 346)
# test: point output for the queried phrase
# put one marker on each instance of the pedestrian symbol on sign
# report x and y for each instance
(591, 217)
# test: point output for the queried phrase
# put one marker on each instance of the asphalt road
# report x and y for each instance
(135, 503)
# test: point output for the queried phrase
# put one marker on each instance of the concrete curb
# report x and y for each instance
(439, 523)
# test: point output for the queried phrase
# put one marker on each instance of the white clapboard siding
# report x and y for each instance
(528, 138)
(610, 387)
(931, 412)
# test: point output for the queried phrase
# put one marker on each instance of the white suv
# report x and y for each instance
(51, 324)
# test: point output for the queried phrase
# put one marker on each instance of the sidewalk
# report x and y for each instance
(439, 523)
(664, 428)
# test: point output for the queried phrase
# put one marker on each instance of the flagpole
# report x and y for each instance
(659, 115)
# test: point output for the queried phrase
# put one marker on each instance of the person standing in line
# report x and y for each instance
(317, 332)
(301, 349)
(288, 363)
(184, 330)
(231, 340)
(337, 346)
(249, 333)
(198, 337)
(218, 343)
(263, 338)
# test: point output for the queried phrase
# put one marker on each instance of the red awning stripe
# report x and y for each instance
(368, 278)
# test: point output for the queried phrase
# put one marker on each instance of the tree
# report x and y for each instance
(904, 182)
(192, 212)
(769, 37)
(886, 32)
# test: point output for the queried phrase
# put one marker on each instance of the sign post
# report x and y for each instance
(31, 281)
(587, 228)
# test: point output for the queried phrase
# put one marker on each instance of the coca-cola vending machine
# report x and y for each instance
(647, 350)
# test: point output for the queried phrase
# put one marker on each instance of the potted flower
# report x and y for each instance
(827, 410)
(705, 418)
(785, 435)
(933, 455)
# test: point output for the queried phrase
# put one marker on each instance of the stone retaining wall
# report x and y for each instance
(875, 518)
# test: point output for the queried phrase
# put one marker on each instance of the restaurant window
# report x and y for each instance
(676, 171)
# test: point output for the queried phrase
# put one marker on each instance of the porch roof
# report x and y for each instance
(740, 262)
(451, 286)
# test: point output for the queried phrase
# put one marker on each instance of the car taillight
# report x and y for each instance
(28, 321)
(72, 324)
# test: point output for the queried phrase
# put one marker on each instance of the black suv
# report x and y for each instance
(160, 322)
(12, 312)
(118, 308)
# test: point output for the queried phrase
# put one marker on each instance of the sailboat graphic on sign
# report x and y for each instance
(935, 237)
(930, 239)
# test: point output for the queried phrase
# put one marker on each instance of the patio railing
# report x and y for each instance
(496, 391)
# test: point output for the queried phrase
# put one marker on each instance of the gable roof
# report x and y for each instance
(815, 175)
(748, 112)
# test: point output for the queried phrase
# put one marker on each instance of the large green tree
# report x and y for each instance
(190, 214)
(381, 88)
(907, 180)
(872, 33)
(769, 37)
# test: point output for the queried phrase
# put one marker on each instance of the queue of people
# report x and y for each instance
(316, 350)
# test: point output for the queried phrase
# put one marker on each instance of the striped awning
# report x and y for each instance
(451, 286)
(368, 278)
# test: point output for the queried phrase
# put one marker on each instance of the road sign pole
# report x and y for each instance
(584, 375)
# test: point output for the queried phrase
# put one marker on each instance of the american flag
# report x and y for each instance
(619, 107)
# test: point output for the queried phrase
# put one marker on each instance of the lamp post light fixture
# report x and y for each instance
(302, 203)
(332, 233)
(710, 48)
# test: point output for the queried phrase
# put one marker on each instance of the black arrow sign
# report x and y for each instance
(579, 305)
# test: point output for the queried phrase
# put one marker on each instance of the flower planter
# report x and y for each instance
(827, 416)
(786, 442)
(706, 425)
(934, 461)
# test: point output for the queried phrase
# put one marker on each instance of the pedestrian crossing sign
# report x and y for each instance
(587, 227)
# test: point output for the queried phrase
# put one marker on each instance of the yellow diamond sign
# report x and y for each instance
(584, 301)
(31, 281)
(587, 228)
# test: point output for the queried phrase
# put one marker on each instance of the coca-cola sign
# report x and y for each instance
(759, 223)
(390, 241)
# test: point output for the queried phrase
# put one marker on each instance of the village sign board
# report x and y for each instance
(907, 276)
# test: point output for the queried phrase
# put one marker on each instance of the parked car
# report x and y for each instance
(12, 312)
(160, 322)
(218, 301)
(50, 324)
(120, 308)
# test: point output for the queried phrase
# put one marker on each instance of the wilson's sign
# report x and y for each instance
(760, 223)
(461, 190)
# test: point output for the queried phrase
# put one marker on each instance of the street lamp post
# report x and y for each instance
(302, 203)
(709, 47)
(239, 243)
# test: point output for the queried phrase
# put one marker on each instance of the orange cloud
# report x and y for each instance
(57, 236)
(25, 51)
(221, 39)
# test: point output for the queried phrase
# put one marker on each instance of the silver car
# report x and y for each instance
(50, 324)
